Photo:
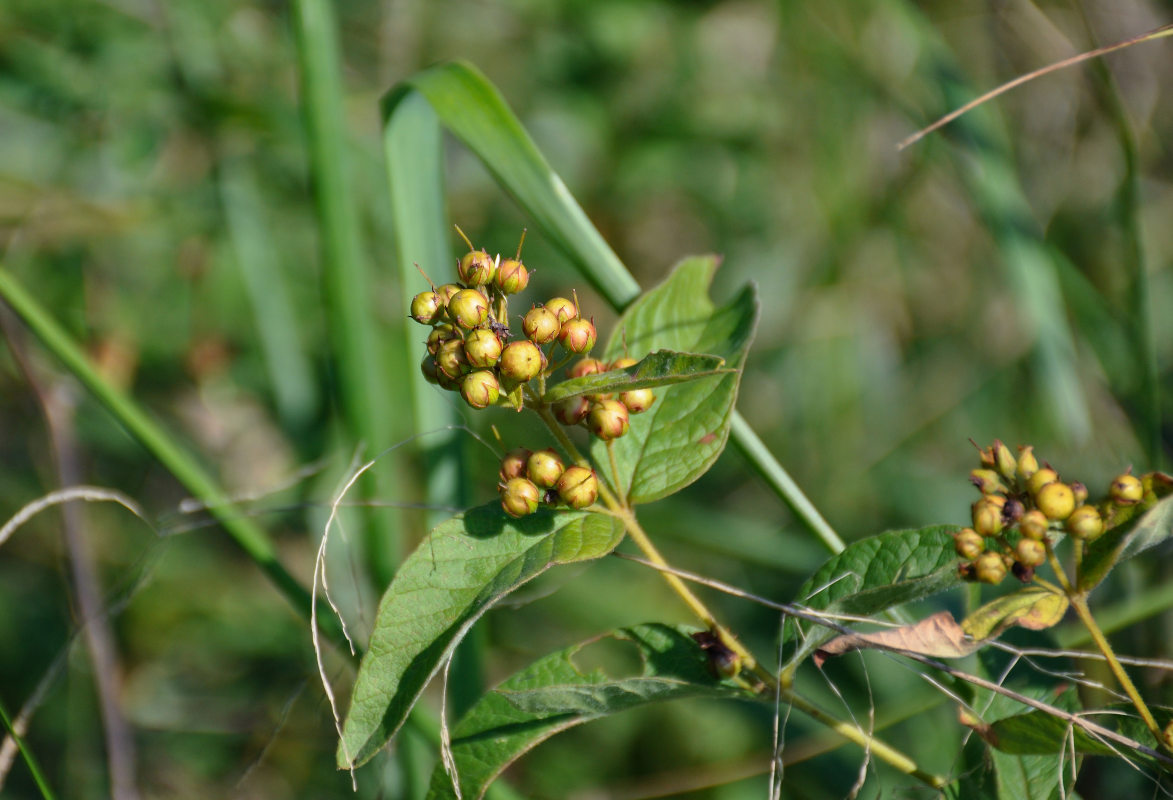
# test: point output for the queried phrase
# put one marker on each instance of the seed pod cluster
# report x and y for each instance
(604, 415)
(528, 479)
(1023, 506)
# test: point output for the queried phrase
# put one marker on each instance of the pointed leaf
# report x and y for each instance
(461, 568)
(1138, 528)
(680, 436)
(1033, 608)
(554, 694)
(661, 368)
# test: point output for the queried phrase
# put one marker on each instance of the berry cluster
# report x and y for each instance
(528, 478)
(1021, 506)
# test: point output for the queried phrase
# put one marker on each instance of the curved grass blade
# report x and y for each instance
(462, 568)
(661, 368)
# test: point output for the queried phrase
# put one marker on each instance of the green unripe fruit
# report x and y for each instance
(1004, 460)
(586, 366)
(578, 487)
(1027, 464)
(429, 369)
(441, 334)
(426, 307)
(572, 410)
(1080, 492)
(447, 292)
(990, 568)
(519, 497)
(512, 276)
(578, 335)
(482, 348)
(987, 516)
(968, 543)
(1126, 490)
(608, 419)
(987, 481)
(1085, 523)
(476, 268)
(562, 308)
(513, 465)
(521, 361)
(1033, 524)
(540, 325)
(544, 468)
(1056, 500)
(451, 359)
(1041, 478)
(480, 389)
(637, 400)
(1030, 552)
(468, 308)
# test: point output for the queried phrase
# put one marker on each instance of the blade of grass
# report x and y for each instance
(27, 755)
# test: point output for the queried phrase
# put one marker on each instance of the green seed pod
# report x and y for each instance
(429, 369)
(540, 325)
(1056, 500)
(987, 516)
(637, 400)
(451, 359)
(512, 276)
(476, 268)
(544, 468)
(572, 410)
(1033, 525)
(468, 308)
(1126, 490)
(563, 309)
(1030, 552)
(578, 487)
(521, 361)
(1027, 464)
(519, 497)
(968, 543)
(608, 419)
(483, 348)
(480, 388)
(1004, 460)
(990, 568)
(513, 465)
(578, 335)
(1041, 478)
(439, 335)
(1085, 523)
(426, 307)
(987, 481)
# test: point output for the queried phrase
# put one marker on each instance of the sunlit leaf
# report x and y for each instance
(1033, 608)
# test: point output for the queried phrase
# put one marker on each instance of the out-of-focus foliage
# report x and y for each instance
(154, 192)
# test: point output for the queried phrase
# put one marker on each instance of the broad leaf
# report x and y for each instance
(661, 368)
(1039, 733)
(1135, 532)
(875, 574)
(935, 636)
(461, 568)
(672, 444)
(554, 694)
(1033, 608)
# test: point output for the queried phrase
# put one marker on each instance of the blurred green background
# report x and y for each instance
(1010, 276)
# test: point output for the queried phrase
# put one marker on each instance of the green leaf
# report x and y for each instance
(672, 444)
(457, 572)
(554, 694)
(661, 368)
(1033, 608)
(1134, 535)
(875, 574)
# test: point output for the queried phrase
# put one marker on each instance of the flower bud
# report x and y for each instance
(968, 543)
(446, 293)
(987, 517)
(578, 487)
(521, 361)
(623, 363)
(1041, 478)
(468, 308)
(476, 268)
(1085, 523)
(439, 335)
(451, 359)
(987, 481)
(607, 419)
(637, 400)
(1027, 464)
(540, 325)
(1033, 524)
(1030, 552)
(586, 366)
(482, 348)
(1004, 460)
(512, 276)
(513, 465)
(544, 468)
(480, 388)
(562, 308)
(426, 307)
(578, 335)
(1126, 490)
(990, 568)
(572, 410)
(520, 497)
(1056, 500)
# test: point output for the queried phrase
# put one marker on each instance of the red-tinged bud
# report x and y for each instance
(968, 543)
(480, 389)
(482, 348)
(540, 325)
(468, 308)
(578, 335)
(519, 497)
(637, 400)
(476, 268)
(426, 307)
(513, 465)
(451, 359)
(512, 276)
(578, 487)
(521, 361)
(572, 410)
(562, 308)
(439, 335)
(544, 468)
(586, 366)
(608, 419)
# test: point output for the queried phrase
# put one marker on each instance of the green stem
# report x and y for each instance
(27, 755)
(615, 473)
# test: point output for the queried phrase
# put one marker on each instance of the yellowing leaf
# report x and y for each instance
(1033, 608)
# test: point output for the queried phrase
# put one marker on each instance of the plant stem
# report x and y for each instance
(615, 473)
(29, 759)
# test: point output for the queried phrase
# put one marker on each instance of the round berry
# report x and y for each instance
(520, 497)
(521, 361)
(480, 388)
(1030, 552)
(578, 487)
(562, 308)
(1085, 523)
(468, 308)
(987, 516)
(586, 366)
(1056, 500)
(572, 410)
(990, 568)
(482, 348)
(451, 359)
(637, 400)
(476, 268)
(1027, 464)
(1041, 478)
(540, 325)
(1033, 524)
(1126, 490)
(544, 468)
(429, 369)
(623, 363)
(446, 293)
(578, 335)
(513, 465)
(439, 335)
(968, 543)
(608, 419)
(426, 307)
(512, 276)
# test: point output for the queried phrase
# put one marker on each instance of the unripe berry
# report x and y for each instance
(429, 369)
(468, 308)
(1056, 500)
(623, 362)
(1004, 460)
(987, 481)
(480, 389)
(586, 366)
(637, 400)
(968, 543)
(987, 517)
(1027, 464)
(1085, 523)
(1041, 478)
(521, 361)
(540, 325)
(1080, 492)
(572, 410)
(578, 487)
(990, 568)
(451, 359)
(512, 276)
(607, 419)
(1033, 524)
(476, 268)
(426, 307)
(544, 468)
(520, 497)
(441, 334)
(562, 308)
(513, 465)
(578, 335)
(1030, 552)
(447, 292)
(1126, 490)
(482, 348)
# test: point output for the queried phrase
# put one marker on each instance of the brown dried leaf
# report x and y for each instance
(938, 636)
